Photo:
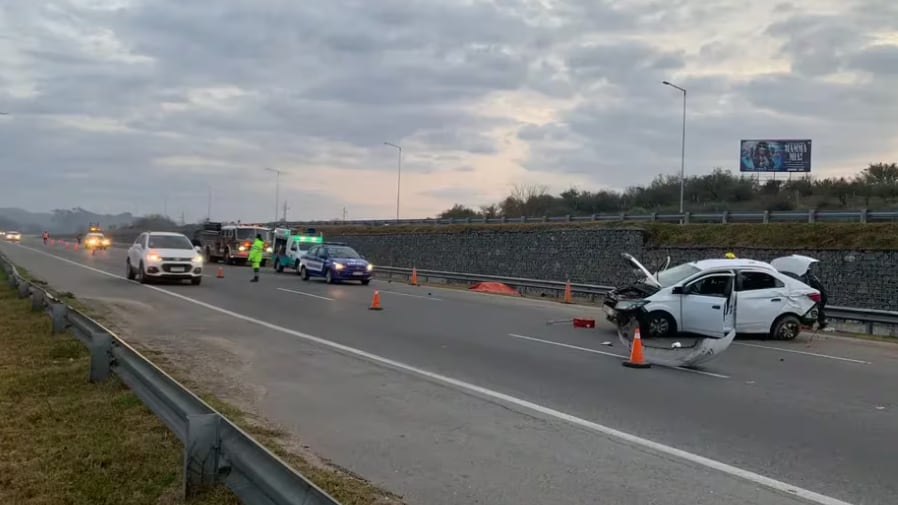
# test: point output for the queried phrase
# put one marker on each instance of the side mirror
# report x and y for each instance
(677, 290)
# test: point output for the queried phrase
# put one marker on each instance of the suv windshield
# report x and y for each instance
(250, 234)
(169, 242)
(339, 251)
(674, 275)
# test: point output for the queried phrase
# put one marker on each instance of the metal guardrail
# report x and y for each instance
(215, 449)
(869, 317)
(724, 217)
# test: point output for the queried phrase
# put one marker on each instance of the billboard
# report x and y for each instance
(775, 156)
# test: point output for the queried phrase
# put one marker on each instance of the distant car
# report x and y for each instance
(95, 240)
(673, 301)
(13, 236)
(335, 262)
(163, 255)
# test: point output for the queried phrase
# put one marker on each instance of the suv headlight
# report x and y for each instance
(198, 258)
(339, 266)
(153, 258)
(370, 267)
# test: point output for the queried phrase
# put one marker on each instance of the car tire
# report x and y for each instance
(141, 275)
(196, 281)
(303, 273)
(786, 327)
(328, 276)
(657, 324)
(366, 282)
(129, 271)
(279, 267)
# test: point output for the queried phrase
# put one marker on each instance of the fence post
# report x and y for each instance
(201, 452)
(37, 300)
(24, 289)
(100, 347)
(58, 312)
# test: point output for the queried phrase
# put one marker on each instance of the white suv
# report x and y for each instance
(161, 255)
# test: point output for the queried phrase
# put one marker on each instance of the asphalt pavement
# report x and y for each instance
(448, 396)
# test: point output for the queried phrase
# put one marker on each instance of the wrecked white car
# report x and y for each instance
(690, 300)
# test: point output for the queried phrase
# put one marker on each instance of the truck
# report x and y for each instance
(231, 242)
(291, 245)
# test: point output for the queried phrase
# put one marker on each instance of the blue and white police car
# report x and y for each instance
(335, 262)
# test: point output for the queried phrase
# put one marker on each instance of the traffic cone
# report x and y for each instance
(413, 280)
(220, 273)
(375, 302)
(567, 292)
(636, 359)
(65, 245)
(75, 246)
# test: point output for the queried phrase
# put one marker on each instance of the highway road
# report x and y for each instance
(450, 397)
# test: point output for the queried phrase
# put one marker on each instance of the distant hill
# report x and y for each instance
(59, 220)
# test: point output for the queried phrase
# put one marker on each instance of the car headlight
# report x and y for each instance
(241, 248)
(154, 258)
(339, 266)
(107, 242)
(370, 267)
(198, 258)
(270, 249)
(630, 304)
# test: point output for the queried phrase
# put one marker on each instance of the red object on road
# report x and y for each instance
(584, 323)
(495, 288)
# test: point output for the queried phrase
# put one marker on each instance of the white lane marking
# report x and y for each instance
(411, 296)
(508, 399)
(827, 356)
(568, 346)
(596, 351)
(305, 294)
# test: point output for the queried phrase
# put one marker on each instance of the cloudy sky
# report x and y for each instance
(126, 105)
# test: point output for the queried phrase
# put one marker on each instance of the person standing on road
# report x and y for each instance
(813, 281)
(255, 256)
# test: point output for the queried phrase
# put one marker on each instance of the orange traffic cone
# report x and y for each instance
(375, 302)
(75, 246)
(567, 292)
(413, 280)
(65, 244)
(220, 273)
(636, 359)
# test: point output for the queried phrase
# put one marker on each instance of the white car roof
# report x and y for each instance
(166, 233)
(722, 263)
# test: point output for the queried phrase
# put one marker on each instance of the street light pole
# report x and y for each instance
(398, 175)
(682, 147)
(277, 191)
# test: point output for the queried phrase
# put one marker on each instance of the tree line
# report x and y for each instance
(875, 187)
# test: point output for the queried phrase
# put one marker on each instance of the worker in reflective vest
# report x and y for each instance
(255, 256)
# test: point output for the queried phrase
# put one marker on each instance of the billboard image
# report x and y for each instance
(775, 156)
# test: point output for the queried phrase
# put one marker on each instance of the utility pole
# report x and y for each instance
(209, 206)
(284, 219)
(165, 207)
(682, 147)
(277, 190)
(398, 175)
(344, 214)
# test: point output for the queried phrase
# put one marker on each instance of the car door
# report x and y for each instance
(136, 251)
(708, 305)
(310, 260)
(761, 297)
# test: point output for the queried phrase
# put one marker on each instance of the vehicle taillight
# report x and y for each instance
(816, 297)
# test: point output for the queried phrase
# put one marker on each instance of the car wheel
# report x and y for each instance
(196, 281)
(786, 327)
(141, 275)
(366, 282)
(279, 267)
(657, 324)
(129, 272)
(304, 273)
(328, 277)
(296, 267)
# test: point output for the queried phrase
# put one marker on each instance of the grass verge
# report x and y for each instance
(774, 235)
(64, 440)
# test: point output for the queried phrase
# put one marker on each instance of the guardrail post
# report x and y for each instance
(201, 452)
(766, 217)
(654, 216)
(100, 348)
(864, 215)
(812, 216)
(24, 289)
(686, 217)
(724, 217)
(37, 300)
(523, 219)
(58, 312)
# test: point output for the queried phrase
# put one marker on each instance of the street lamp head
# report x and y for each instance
(665, 83)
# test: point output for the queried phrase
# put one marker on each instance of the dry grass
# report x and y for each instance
(66, 441)
(775, 235)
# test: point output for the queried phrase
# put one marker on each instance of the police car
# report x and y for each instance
(335, 262)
